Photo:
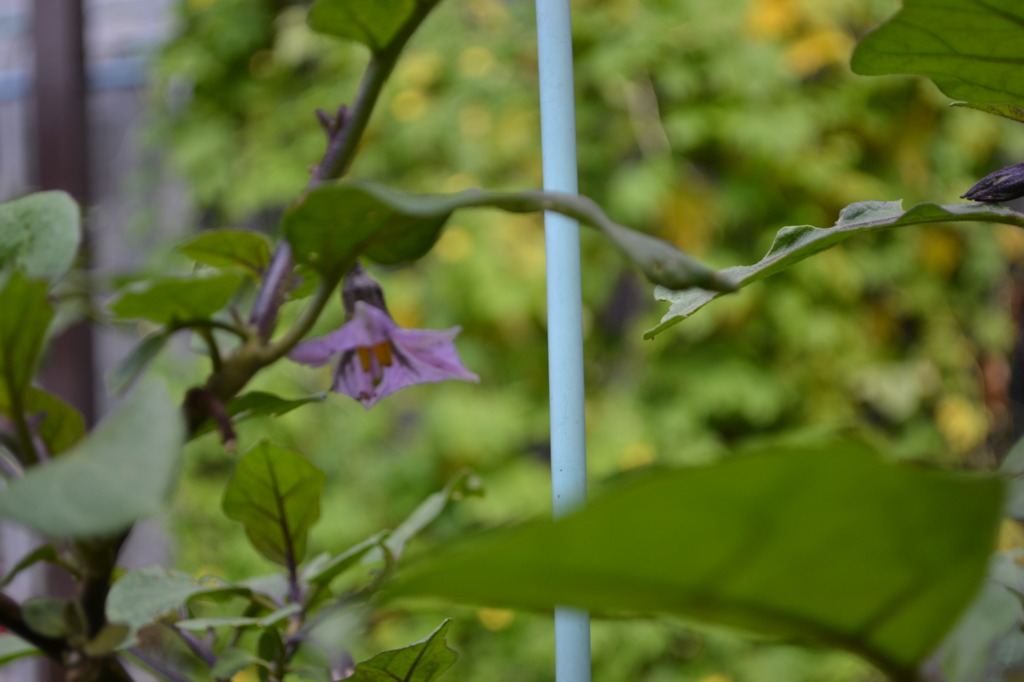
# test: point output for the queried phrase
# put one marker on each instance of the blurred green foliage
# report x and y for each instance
(710, 123)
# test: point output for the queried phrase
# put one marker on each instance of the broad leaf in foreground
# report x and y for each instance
(972, 50)
(39, 234)
(275, 494)
(123, 471)
(423, 661)
(334, 224)
(794, 244)
(825, 543)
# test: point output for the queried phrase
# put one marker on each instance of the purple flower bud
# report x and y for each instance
(359, 286)
(1005, 184)
(376, 357)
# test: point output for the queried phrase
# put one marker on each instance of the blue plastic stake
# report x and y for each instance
(565, 310)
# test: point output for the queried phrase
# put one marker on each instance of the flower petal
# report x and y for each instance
(368, 327)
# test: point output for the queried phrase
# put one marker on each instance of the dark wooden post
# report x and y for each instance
(62, 144)
(62, 162)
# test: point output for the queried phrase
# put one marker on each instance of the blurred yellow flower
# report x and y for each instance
(963, 423)
(495, 619)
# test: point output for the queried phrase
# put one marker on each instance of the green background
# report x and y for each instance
(709, 123)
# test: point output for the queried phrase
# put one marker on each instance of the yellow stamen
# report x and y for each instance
(364, 357)
(383, 352)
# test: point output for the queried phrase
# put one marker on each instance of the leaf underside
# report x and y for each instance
(971, 49)
(823, 543)
(794, 244)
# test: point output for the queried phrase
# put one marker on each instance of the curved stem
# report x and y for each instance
(211, 342)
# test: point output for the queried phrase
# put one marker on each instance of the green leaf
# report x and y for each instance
(45, 616)
(141, 597)
(47, 553)
(464, 484)
(26, 317)
(124, 470)
(108, 640)
(896, 553)
(13, 648)
(373, 23)
(271, 619)
(1005, 110)
(39, 234)
(233, 661)
(275, 494)
(57, 423)
(230, 248)
(323, 572)
(423, 661)
(259, 404)
(136, 361)
(333, 224)
(971, 50)
(379, 24)
(169, 299)
(794, 244)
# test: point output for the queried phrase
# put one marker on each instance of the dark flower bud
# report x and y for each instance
(359, 286)
(1005, 184)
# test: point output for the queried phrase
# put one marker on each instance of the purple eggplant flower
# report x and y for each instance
(376, 357)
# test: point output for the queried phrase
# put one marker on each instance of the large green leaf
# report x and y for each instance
(423, 661)
(827, 543)
(168, 299)
(275, 494)
(39, 234)
(794, 244)
(26, 315)
(973, 50)
(124, 470)
(333, 224)
(230, 248)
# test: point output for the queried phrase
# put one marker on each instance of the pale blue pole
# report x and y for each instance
(565, 310)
